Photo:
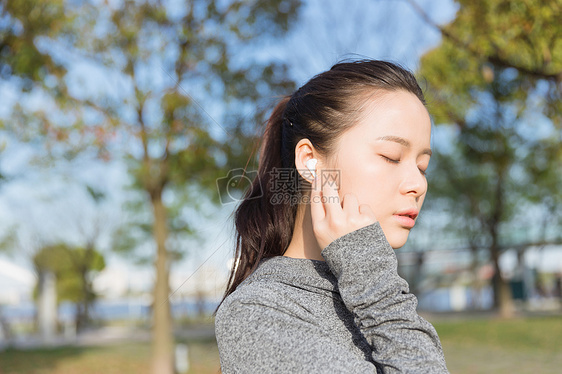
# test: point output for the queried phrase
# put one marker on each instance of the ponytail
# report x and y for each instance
(263, 229)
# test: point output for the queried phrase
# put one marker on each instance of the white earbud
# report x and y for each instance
(311, 165)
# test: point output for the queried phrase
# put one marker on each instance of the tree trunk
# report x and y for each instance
(82, 310)
(87, 284)
(503, 301)
(162, 340)
(476, 298)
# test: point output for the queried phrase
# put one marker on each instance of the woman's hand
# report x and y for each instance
(332, 219)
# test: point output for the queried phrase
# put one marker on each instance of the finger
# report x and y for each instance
(316, 206)
(331, 198)
(366, 210)
(350, 204)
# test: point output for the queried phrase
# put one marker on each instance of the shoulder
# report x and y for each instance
(284, 306)
(248, 299)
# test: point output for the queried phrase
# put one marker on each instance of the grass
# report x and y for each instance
(130, 358)
(112, 359)
(530, 345)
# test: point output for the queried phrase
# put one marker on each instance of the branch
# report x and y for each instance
(143, 130)
(495, 59)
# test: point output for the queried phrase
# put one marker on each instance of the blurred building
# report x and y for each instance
(450, 280)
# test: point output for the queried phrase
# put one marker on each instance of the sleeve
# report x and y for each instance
(255, 336)
(365, 266)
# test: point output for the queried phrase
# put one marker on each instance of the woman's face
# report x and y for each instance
(382, 160)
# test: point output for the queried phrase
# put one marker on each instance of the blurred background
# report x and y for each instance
(125, 127)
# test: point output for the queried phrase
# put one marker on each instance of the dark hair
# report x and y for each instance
(321, 110)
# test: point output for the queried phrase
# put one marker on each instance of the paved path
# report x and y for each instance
(107, 336)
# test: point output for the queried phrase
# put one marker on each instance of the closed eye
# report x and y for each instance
(390, 160)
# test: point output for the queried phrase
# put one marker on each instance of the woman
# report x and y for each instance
(315, 287)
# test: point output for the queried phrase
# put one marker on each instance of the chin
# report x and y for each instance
(397, 240)
(397, 244)
(395, 235)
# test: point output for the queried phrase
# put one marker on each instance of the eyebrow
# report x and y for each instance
(403, 142)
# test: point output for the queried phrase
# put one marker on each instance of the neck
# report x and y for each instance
(303, 243)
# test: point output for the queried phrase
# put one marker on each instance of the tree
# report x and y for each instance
(31, 68)
(74, 269)
(496, 68)
(522, 35)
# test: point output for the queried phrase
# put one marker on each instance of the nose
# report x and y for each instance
(413, 182)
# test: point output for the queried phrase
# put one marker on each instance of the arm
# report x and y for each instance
(256, 335)
(365, 266)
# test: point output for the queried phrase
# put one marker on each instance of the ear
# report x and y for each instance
(304, 152)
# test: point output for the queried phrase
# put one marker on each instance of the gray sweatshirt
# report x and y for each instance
(352, 313)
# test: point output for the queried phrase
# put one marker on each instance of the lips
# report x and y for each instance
(406, 217)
